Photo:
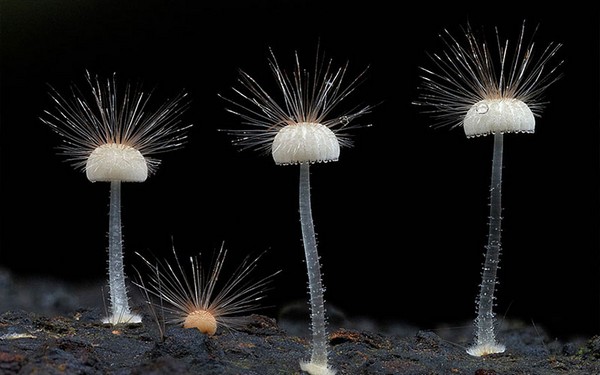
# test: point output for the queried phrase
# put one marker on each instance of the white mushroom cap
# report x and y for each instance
(490, 116)
(305, 142)
(116, 162)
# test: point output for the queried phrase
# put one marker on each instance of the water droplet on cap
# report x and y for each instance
(482, 108)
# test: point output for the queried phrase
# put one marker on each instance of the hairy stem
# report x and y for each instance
(116, 273)
(485, 320)
(317, 305)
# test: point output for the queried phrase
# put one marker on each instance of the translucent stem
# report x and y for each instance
(485, 320)
(317, 305)
(116, 273)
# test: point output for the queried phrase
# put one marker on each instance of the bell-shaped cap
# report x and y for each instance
(491, 116)
(305, 142)
(116, 162)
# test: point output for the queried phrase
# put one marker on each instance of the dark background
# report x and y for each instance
(401, 219)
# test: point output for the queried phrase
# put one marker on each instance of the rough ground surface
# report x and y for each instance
(65, 339)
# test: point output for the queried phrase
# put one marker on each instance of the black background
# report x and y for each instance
(401, 218)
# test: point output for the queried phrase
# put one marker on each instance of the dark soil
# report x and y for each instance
(48, 328)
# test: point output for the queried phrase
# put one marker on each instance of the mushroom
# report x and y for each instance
(112, 136)
(301, 131)
(488, 92)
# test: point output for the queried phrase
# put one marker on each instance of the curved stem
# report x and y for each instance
(485, 316)
(317, 305)
(116, 273)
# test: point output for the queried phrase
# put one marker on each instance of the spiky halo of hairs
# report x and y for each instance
(470, 71)
(305, 97)
(181, 293)
(86, 122)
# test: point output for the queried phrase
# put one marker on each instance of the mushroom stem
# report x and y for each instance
(317, 305)
(485, 320)
(116, 273)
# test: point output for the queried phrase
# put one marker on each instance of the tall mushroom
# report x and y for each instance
(112, 136)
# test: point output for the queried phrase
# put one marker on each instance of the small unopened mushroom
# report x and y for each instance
(203, 298)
